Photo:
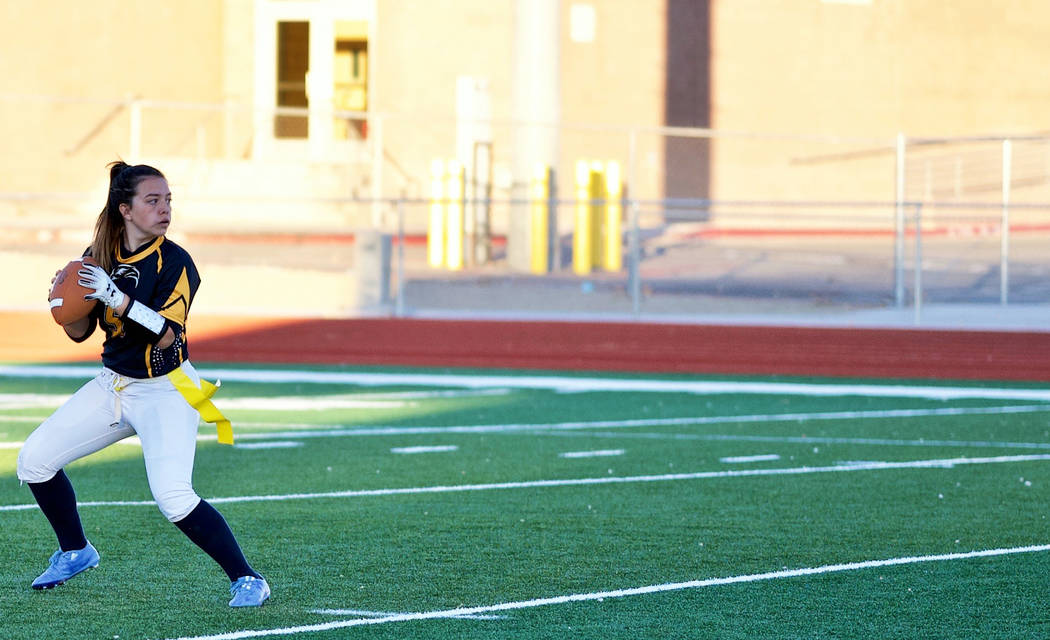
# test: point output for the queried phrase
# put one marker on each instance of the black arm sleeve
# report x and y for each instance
(91, 326)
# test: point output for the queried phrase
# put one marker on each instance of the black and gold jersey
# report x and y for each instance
(161, 275)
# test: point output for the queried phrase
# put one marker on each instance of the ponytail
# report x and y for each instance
(109, 228)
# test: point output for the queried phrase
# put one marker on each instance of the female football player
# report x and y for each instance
(144, 285)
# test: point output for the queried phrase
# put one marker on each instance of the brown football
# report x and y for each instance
(67, 297)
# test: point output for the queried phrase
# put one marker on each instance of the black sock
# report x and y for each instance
(59, 504)
(209, 531)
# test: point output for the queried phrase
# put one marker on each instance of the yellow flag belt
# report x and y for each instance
(200, 399)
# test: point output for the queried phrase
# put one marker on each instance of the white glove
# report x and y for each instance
(93, 277)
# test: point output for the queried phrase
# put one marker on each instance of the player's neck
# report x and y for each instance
(135, 241)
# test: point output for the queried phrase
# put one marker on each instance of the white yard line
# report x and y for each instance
(383, 614)
(440, 448)
(943, 463)
(277, 444)
(600, 596)
(602, 453)
(564, 383)
(766, 457)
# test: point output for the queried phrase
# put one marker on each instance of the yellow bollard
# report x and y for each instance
(597, 214)
(454, 215)
(539, 219)
(581, 236)
(436, 226)
(612, 260)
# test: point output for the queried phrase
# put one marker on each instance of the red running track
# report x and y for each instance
(669, 348)
(579, 346)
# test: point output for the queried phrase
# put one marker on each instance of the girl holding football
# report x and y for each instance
(144, 285)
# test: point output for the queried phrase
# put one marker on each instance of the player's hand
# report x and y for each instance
(53, 278)
(93, 277)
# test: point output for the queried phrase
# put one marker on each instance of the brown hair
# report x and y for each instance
(124, 179)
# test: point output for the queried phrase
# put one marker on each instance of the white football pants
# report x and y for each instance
(112, 407)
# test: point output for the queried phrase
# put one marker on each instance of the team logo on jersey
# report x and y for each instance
(112, 324)
(126, 271)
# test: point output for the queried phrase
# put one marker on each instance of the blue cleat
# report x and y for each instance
(249, 591)
(65, 565)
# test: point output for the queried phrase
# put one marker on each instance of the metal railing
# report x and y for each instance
(888, 255)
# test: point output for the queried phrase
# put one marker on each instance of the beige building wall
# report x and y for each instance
(610, 80)
(91, 54)
(807, 95)
(421, 48)
(866, 71)
(614, 82)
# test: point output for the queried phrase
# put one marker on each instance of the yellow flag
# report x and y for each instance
(200, 399)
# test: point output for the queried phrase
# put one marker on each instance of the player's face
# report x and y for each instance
(150, 212)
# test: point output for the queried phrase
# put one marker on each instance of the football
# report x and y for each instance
(67, 297)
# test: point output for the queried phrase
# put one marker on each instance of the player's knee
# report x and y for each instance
(32, 465)
(176, 504)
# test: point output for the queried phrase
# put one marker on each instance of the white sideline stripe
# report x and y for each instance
(592, 454)
(564, 428)
(945, 463)
(310, 403)
(22, 418)
(394, 400)
(563, 383)
(383, 614)
(340, 431)
(31, 400)
(335, 431)
(426, 395)
(771, 417)
(717, 437)
(425, 449)
(623, 593)
(274, 403)
(759, 458)
(879, 413)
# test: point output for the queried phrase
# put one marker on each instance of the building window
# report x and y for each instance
(351, 77)
(293, 60)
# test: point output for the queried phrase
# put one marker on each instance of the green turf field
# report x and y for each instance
(393, 503)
